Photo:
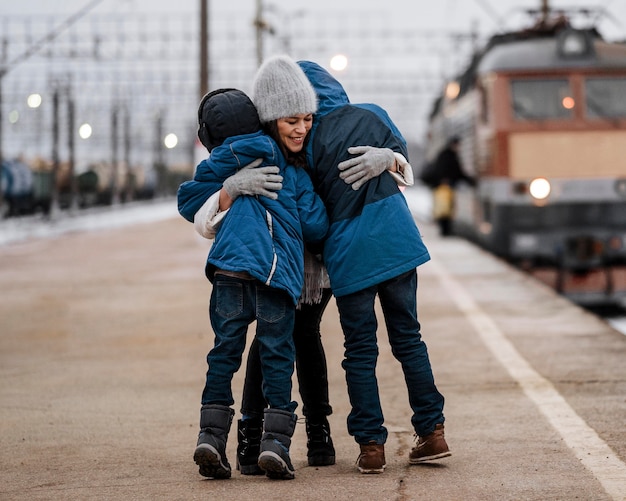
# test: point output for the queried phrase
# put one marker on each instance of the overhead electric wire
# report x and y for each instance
(37, 46)
(486, 6)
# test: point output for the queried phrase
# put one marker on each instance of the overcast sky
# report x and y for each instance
(487, 15)
(423, 62)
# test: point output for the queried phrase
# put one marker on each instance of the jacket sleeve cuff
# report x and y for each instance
(208, 218)
(404, 174)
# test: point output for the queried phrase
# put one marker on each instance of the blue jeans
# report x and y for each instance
(235, 304)
(359, 324)
(310, 366)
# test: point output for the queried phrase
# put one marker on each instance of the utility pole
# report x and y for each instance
(261, 26)
(259, 23)
(545, 10)
(159, 160)
(71, 149)
(2, 71)
(115, 194)
(204, 47)
(130, 179)
(54, 194)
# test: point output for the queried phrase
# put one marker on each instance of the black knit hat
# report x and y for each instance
(224, 113)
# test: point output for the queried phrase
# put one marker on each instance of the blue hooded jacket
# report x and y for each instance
(372, 235)
(260, 236)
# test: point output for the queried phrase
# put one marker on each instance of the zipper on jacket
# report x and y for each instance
(270, 227)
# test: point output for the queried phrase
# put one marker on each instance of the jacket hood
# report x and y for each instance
(330, 93)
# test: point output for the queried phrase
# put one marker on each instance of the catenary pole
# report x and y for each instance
(204, 47)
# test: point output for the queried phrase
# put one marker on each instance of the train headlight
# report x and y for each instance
(539, 188)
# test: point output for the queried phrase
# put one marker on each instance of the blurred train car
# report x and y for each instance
(16, 181)
(28, 189)
(541, 114)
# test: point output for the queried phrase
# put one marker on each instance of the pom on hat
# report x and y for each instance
(281, 89)
(224, 113)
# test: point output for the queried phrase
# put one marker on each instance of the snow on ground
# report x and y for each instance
(22, 228)
(27, 227)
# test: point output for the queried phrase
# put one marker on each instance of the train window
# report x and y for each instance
(541, 99)
(605, 97)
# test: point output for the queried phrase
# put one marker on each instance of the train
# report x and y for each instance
(541, 117)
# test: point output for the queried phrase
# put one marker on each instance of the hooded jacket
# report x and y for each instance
(260, 236)
(372, 235)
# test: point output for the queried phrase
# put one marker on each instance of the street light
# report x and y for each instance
(34, 100)
(85, 131)
(170, 141)
(338, 62)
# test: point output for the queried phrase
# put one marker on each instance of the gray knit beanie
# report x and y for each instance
(281, 89)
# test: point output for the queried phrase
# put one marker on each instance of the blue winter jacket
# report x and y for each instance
(372, 235)
(261, 236)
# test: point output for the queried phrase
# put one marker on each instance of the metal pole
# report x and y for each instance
(3, 72)
(1, 147)
(204, 47)
(259, 23)
(130, 181)
(545, 10)
(114, 185)
(159, 161)
(71, 150)
(54, 190)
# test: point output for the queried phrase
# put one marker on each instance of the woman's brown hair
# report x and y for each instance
(297, 159)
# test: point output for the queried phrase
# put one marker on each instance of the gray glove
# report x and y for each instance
(371, 163)
(251, 180)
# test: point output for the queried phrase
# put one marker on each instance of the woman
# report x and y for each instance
(273, 94)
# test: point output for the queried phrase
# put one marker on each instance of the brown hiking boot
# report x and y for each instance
(372, 458)
(432, 446)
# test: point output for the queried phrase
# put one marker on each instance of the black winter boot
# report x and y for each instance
(248, 444)
(278, 428)
(210, 454)
(320, 449)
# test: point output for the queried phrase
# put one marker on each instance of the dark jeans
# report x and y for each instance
(310, 364)
(359, 323)
(235, 304)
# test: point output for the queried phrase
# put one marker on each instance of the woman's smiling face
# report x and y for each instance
(293, 130)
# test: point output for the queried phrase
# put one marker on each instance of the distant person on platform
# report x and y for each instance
(446, 175)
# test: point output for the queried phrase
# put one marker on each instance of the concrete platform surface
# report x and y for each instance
(103, 342)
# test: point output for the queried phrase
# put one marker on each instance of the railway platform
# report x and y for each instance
(104, 335)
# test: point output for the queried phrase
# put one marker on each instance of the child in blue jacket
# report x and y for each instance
(256, 268)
